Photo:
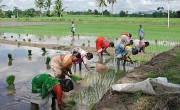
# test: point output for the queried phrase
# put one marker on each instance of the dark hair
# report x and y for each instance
(131, 42)
(72, 22)
(89, 55)
(130, 35)
(76, 54)
(146, 44)
(134, 51)
(140, 25)
(67, 85)
(112, 44)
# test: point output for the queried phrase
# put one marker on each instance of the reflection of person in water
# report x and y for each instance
(45, 89)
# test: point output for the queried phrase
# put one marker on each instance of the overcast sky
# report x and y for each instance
(84, 5)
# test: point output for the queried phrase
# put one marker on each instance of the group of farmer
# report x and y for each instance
(47, 88)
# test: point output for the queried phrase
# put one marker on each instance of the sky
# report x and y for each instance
(83, 5)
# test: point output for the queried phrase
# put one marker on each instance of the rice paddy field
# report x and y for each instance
(88, 28)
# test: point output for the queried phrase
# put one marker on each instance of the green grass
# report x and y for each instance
(90, 25)
(97, 19)
(172, 70)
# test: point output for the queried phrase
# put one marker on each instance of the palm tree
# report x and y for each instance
(101, 4)
(112, 3)
(16, 9)
(58, 8)
(39, 4)
(48, 4)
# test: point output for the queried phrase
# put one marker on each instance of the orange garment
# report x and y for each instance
(101, 42)
(66, 60)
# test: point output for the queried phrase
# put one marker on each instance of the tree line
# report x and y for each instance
(44, 7)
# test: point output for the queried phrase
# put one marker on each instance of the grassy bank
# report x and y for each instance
(171, 71)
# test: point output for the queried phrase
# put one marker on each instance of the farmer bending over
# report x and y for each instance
(84, 57)
(126, 39)
(123, 53)
(45, 89)
(62, 64)
(101, 45)
(140, 46)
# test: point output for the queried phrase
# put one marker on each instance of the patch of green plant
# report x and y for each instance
(29, 52)
(29, 40)
(10, 81)
(18, 44)
(71, 104)
(171, 70)
(43, 49)
(83, 44)
(137, 95)
(48, 59)
(10, 56)
(76, 78)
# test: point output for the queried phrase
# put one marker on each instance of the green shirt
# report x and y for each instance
(43, 83)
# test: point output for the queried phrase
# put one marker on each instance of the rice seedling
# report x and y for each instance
(29, 40)
(11, 36)
(48, 59)
(10, 56)
(71, 104)
(19, 44)
(29, 52)
(83, 44)
(98, 85)
(24, 40)
(43, 49)
(10, 81)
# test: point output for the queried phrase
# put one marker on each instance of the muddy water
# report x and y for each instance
(68, 40)
(25, 67)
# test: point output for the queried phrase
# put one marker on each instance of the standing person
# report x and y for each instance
(141, 33)
(45, 89)
(61, 64)
(72, 29)
(123, 53)
(101, 45)
(140, 46)
(126, 39)
(84, 57)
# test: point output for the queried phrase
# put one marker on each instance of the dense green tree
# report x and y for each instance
(48, 4)
(16, 11)
(8, 13)
(58, 8)
(2, 14)
(30, 12)
(112, 3)
(178, 14)
(101, 4)
(39, 4)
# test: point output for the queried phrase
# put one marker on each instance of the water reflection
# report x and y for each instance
(30, 57)
(10, 62)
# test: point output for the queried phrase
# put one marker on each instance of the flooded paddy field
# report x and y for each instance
(25, 67)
